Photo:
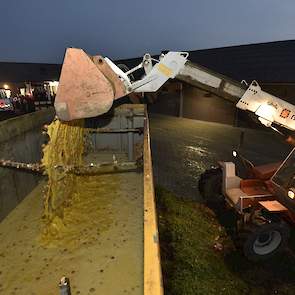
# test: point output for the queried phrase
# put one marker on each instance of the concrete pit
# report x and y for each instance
(101, 245)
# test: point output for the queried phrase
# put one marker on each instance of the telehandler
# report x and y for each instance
(264, 200)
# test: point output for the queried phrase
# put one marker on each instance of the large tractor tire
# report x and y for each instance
(262, 241)
(210, 186)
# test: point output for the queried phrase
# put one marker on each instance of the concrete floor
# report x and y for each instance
(100, 250)
(182, 149)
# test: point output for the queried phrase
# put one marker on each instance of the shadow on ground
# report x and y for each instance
(274, 276)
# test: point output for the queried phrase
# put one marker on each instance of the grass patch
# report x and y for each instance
(199, 257)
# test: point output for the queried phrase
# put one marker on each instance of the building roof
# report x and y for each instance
(31, 72)
(272, 62)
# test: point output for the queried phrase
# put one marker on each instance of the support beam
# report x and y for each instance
(111, 130)
(90, 169)
(102, 168)
(212, 82)
(33, 167)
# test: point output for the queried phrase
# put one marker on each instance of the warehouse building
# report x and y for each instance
(270, 64)
(30, 79)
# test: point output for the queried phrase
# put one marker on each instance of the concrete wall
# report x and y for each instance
(201, 105)
(197, 104)
(166, 104)
(123, 117)
(20, 140)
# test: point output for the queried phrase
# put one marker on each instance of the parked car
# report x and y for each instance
(5, 103)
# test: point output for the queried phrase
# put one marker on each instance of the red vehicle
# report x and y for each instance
(5, 103)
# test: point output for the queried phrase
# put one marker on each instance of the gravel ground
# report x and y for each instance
(183, 148)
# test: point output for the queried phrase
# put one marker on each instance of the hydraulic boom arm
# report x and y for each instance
(269, 109)
(89, 85)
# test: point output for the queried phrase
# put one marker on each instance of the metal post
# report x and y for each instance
(180, 102)
(130, 138)
(64, 286)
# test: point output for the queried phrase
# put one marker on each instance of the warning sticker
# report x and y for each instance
(165, 70)
(285, 113)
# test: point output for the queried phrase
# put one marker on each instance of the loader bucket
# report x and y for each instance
(87, 86)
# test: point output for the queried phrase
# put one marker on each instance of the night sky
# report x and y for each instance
(39, 31)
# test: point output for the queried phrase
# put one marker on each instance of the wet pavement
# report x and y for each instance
(182, 149)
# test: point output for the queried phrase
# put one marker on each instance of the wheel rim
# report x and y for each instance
(268, 242)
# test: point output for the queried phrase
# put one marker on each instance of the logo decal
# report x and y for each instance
(285, 113)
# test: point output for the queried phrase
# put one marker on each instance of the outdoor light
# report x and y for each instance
(53, 83)
(5, 86)
(235, 154)
(266, 113)
(291, 193)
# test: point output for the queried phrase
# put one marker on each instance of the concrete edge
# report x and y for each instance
(213, 124)
(153, 283)
(19, 125)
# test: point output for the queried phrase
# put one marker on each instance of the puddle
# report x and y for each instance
(198, 150)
